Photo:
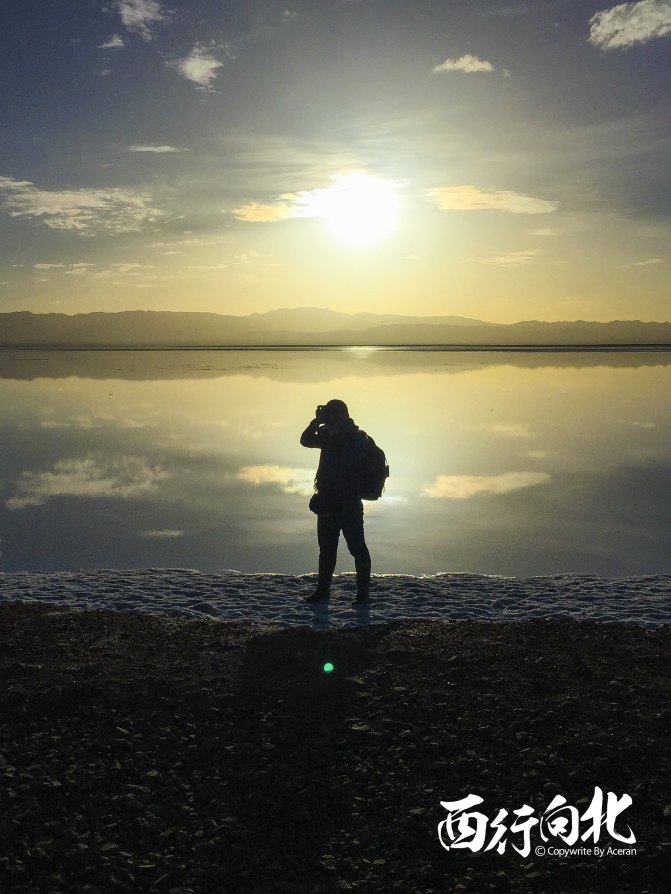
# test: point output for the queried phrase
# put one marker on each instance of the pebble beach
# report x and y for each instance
(146, 749)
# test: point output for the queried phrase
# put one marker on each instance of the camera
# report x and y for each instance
(320, 413)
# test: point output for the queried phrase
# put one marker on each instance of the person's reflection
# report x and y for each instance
(336, 501)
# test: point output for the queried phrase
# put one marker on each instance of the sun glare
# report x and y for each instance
(359, 209)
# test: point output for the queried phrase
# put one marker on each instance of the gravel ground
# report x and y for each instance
(143, 753)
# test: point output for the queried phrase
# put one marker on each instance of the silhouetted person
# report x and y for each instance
(336, 500)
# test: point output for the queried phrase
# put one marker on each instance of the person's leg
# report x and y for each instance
(352, 528)
(328, 533)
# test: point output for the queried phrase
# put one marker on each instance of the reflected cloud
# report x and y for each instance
(507, 429)
(290, 481)
(92, 421)
(388, 501)
(461, 487)
(121, 478)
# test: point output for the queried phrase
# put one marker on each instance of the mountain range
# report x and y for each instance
(308, 326)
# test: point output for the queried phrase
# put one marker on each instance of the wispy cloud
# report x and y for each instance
(131, 267)
(509, 258)
(241, 259)
(257, 212)
(85, 211)
(79, 269)
(191, 241)
(90, 421)
(507, 429)
(461, 487)
(470, 198)
(200, 66)
(140, 15)
(466, 64)
(648, 262)
(630, 23)
(114, 43)
(207, 266)
(93, 477)
(157, 149)
(290, 481)
(163, 534)
(91, 271)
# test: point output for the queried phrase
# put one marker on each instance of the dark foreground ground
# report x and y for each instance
(139, 753)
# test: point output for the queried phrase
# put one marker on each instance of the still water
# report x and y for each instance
(514, 463)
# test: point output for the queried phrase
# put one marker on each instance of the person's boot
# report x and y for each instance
(362, 582)
(323, 591)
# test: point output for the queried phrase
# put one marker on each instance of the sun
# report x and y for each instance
(359, 209)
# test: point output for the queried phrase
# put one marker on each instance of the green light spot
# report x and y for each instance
(328, 667)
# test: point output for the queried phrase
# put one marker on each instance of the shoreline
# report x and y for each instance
(581, 347)
(140, 751)
(276, 598)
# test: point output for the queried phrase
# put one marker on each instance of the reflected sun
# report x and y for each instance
(359, 209)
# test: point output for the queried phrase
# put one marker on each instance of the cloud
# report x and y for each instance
(241, 259)
(200, 66)
(47, 266)
(159, 150)
(353, 189)
(466, 64)
(92, 477)
(114, 43)
(255, 212)
(462, 487)
(86, 211)
(164, 534)
(508, 259)
(197, 241)
(507, 429)
(648, 262)
(290, 481)
(140, 15)
(131, 268)
(208, 266)
(630, 23)
(80, 269)
(470, 198)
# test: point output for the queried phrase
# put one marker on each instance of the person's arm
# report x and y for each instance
(312, 436)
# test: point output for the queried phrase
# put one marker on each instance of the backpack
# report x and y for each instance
(372, 471)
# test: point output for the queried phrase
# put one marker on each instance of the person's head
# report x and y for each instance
(336, 412)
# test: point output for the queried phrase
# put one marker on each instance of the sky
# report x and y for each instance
(499, 160)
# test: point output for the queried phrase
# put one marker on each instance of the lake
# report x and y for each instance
(502, 462)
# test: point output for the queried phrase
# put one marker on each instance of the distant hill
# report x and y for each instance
(308, 326)
(320, 319)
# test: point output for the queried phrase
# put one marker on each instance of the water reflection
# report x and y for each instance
(510, 463)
